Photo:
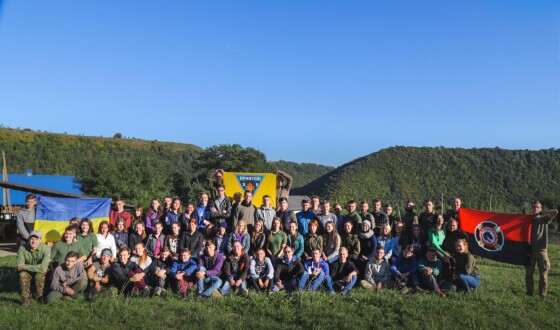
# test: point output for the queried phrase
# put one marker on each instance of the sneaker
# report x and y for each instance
(216, 294)
(405, 290)
(244, 292)
(67, 298)
(157, 291)
(26, 302)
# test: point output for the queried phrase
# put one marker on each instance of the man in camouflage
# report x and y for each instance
(32, 262)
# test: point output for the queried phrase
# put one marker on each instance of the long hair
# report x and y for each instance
(159, 211)
(144, 255)
(294, 237)
(103, 223)
(279, 229)
(180, 210)
(333, 235)
(143, 229)
(90, 230)
(256, 234)
(125, 230)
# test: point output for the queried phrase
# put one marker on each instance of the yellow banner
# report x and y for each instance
(53, 230)
(260, 184)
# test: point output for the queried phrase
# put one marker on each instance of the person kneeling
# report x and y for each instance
(181, 272)
(343, 274)
(68, 279)
(316, 270)
(33, 259)
(261, 272)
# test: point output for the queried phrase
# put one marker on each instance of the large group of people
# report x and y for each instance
(217, 246)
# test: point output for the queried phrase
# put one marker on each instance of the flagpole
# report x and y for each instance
(490, 202)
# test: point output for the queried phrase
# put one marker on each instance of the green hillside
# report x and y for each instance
(511, 177)
(136, 169)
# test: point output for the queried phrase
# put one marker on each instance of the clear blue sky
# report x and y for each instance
(306, 81)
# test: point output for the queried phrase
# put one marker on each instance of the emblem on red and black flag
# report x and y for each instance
(489, 236)
(249, 182)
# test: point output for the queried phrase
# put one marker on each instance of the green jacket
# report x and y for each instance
(60, 249)
(436, 237)
(34, 261)
(352, 243)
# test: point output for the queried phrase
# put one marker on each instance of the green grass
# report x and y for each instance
(498, 304)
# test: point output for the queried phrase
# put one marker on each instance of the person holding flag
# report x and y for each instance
(539, 244)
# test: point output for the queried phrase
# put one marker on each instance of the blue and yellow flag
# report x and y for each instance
(53, 214)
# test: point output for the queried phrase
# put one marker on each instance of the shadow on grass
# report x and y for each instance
(9, 279)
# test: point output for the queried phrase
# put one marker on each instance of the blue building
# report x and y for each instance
(64, 183)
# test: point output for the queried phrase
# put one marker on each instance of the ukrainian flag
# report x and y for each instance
(53, 214)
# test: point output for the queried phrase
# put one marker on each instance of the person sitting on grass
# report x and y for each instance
(312, 240)
(261, 272)
(67, 244)
(182, 273)
(404, 270)
(209, 270)
(235, 271)
(343, 274)
(316, 270)
(160, 268)
(32, 263)
(287, 270)
(141, 258)
(378, 272)
(240, 235)
(98, 275)
(68, 279)
(276, 241)
(295, 240)
(466, 270)
(126, 276)
(429, 268)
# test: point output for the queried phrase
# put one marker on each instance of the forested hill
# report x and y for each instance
(512, 177)
(136, 169)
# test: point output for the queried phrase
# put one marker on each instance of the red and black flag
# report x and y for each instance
(497, 236)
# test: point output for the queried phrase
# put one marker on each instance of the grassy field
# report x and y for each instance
(499, 303)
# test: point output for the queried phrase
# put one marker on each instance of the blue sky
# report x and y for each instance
(305, 81)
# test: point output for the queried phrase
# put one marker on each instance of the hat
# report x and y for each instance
(366, 222)
(107, 252)
(223, 225)
(36, 233)
(305, 200)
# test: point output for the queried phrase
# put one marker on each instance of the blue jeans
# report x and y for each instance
(315, 282)
(215, 284)
(226, 287)
(341, 283)
(468, 282)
